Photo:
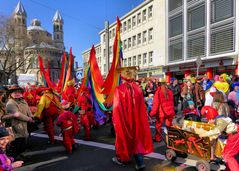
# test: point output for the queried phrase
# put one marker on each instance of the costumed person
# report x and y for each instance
(86, 111)
(223, 125)
(163, 109)
(70, 94)
(29, 95)
(2, 103)
(69, 127)
(206, 83)
(48, 110)
(209, 96)
(18, 114)
(6, 163)
(222, 83)
(191, 113)
(233, 102)
(232, 95)
(130, 120)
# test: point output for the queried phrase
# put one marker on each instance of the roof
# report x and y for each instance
(42, 45)
(19, 10)
(57, 17)
(35, 28)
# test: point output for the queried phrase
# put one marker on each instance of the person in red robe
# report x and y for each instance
(86, 111)
(70, 94)
(163, 109)
(69, 127)
(130, 120)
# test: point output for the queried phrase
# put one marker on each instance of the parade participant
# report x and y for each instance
(6, 163)
(232, 94)
(130, 120)
(187, 92)
(191, 113)
(206, 83)
(222, 83)
(70, 93)
(223, 124)
(18, 113)
(30, 97)
(48, 110)
(163, 109)
(209, 96)
(69, 127)
(86, 111)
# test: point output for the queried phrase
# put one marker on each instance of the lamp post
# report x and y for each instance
(199, 63)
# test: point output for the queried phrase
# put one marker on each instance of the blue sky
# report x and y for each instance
(83, 19)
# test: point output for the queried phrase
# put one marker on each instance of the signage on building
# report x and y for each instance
(158, 71)
(79, 75)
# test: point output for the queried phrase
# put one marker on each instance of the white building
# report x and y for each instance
(143, 39)
(206, 29)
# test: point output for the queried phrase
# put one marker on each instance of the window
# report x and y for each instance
(111, 50)
(173, 4)
(110, 34)
(129, 24)
(103, 37)
(223, 39)
(125, 62)
(124, 26)
(134, 41)
(134, 61)
(134, 21)
(113, 33)
(175, 50)
(139, 59)
(150, 11)
(221, 10)
(129, 42)
(175, 25)
(129, 61)
(57, 36)
(145, 58)
(139, 18)
(196, 45)
(144, 15)
(151, 57)
(139, 38)
(104, 53)
(125, 44)
(196, 17)
(150, 34)
(104, 68)
(144, 36)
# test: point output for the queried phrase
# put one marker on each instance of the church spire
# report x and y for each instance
(19, 10)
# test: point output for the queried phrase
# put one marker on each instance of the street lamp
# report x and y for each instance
(199, 63)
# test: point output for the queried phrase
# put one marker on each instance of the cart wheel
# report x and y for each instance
(203, 165)
(170, 155)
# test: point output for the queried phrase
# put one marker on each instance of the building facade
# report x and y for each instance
(143, 39)
(202, 29)
(33, 40)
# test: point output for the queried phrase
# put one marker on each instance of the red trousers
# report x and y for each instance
(230, 151)
(85, 122)
(159, 123)
(68, 139)
(49, 116)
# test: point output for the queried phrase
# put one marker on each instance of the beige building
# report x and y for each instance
(143, 39)
(33, 40)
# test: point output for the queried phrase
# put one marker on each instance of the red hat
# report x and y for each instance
(41, 89)
(209, 112)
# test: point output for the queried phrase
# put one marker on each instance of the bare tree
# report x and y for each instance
(11, 56)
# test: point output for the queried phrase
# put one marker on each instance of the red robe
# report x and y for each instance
(130, 121)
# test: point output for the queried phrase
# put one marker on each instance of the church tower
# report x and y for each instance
(20, 27)
(58, 30)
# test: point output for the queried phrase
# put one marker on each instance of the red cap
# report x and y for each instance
(209, 112)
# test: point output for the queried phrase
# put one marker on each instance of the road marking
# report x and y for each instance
(48, 150)
(186, 161)
(35, 165)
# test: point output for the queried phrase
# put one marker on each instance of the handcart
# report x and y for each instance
(184, 140)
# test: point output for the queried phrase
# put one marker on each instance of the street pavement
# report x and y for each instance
(94, 155)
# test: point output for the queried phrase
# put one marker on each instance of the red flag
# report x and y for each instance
(68, 74)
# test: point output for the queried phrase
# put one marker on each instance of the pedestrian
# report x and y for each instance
(48, 110)
(199, 93)
(69, 127)
(176, 92)
(6, 163)
(19, 114)
(130, 119)
(163, 109)
(220, 105)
